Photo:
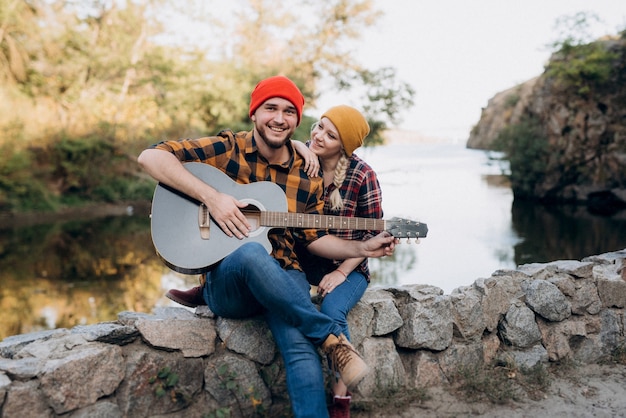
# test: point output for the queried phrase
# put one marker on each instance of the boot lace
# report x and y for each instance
(340, 355)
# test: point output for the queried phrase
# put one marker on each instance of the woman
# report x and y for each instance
(351, 189)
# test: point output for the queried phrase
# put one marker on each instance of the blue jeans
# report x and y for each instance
(337, 304)
(251, 282)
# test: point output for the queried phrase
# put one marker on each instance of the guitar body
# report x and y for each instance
(178, 237)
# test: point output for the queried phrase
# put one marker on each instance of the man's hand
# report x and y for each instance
(225, 211)
(334, 248)
(381, 245)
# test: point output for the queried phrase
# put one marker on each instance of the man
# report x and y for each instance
(249, 281)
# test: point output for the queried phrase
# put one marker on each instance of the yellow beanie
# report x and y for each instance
(352, 126)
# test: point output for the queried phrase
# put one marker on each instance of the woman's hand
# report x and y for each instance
(330, 281)
(312, 166)
(311, 161)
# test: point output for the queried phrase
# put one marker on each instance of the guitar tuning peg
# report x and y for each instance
(408, 240)
(417, 240)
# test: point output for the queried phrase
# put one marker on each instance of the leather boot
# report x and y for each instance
(340, 407)
(345, 360)
(191, 298)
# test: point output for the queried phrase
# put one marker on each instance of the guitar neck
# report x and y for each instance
(303, 220)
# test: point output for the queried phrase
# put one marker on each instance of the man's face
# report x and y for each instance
(275, 121)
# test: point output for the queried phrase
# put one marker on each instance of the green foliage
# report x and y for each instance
(391, 399)
(21, 188)
(502, 382)
(92, 168)
(106, 79)
(511, 100)
(224, 412)
(79, 163)
(526, 148)
(584, 68)
(618, 355)
(165, 383)
(479, 383)
(229, 381)
(68, 172)
(578, 63)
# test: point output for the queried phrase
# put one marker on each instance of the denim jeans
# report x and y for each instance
(337, 304)
(251, 282)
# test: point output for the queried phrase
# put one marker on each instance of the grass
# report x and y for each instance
(618, 355)
(500, 383)
(392, 400)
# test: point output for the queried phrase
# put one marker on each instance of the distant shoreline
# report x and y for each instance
(16, 220)
(401, 136)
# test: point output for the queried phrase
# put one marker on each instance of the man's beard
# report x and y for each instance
(276, 144)
(273, 143)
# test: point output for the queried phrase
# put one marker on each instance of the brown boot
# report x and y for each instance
(191, 298)
(340, 407)
(345, 360)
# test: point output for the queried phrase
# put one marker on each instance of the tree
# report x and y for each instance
(106, 78)
(16, 26)
(314, 46)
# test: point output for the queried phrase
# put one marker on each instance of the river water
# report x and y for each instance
(466, 203)
(86, 271)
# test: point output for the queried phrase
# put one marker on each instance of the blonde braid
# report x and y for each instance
(336, 201)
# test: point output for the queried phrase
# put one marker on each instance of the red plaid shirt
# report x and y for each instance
(237, 155)
(362, 198)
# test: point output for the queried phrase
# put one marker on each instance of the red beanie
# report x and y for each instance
(277, 86)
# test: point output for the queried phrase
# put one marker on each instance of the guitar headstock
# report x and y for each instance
(406, 228)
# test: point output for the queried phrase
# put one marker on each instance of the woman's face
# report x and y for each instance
(325, 141)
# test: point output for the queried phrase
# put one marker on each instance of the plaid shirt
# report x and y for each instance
(237, 155)
(361, 195)
(362, 198)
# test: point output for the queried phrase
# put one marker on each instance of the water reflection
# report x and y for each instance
(65, 274)
(389, 271)
(564, 232)
(465, 201)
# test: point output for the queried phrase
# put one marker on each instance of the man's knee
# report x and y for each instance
(250, 252)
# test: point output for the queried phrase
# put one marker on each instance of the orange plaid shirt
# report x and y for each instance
(237, 155)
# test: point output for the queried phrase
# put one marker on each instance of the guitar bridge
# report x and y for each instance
(204, 221)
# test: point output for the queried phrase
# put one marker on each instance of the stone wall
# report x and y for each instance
(176, 363)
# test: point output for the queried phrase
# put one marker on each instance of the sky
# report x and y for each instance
(457, 54)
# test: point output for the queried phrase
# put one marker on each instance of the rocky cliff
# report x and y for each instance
(581, 116)
(178, 363)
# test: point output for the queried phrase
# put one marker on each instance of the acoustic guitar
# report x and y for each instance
(189, 242)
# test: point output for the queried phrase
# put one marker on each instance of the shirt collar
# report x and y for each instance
(251, 147)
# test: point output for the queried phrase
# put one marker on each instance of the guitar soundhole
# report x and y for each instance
(253, 214)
